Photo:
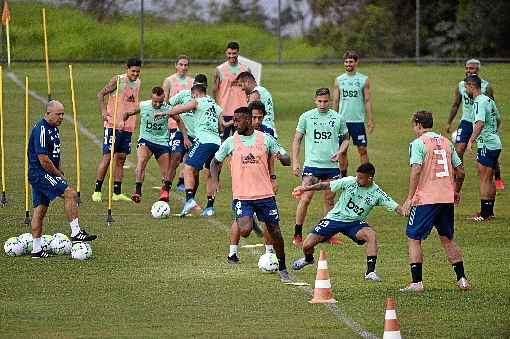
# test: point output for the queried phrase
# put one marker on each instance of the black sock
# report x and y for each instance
(309, 258)
(181, 181)
(116, 187)
(189, 194)
(138, 188)
(298, 230)
(371, 261)
(458, 267)
(492, 202)
(210, 201)
(416, 272)
(344, 173)
(99, 185)
(281, 263)
(485, 208)
(167, 185)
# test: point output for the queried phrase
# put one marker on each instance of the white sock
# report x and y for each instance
(36, 245)
(269, 249)
(233, 250)
(75, 227)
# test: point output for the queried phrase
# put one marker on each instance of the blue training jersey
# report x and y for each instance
(44, 139)
(268, 130)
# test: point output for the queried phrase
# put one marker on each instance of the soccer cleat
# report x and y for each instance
(40, 254)
(97, 196)
(463, 284)
(180, 188)
(372, 276)
(233, 259)
(136, 198)
(477, 218)
(300, 263)
(334, 241)
(297, 241)
(120, 197)
(413, 288)
(83, 236)
(188, 206)
(500, 185)
(163, 195)
(284, 277)
(208, 212)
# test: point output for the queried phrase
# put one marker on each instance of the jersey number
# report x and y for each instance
(442, 161)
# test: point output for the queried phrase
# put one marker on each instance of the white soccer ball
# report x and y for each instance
(26, 241)
(60, 245)
(160, 209)
(268, 263)
(81, 251)
(45, 242)
(61, 235)
(454, 136)
(13, 248)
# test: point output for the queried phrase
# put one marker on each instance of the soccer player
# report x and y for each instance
(434, 187)
(359, 196)
(174, 84)
(128, 101)
(326, 138)
(226, 91)
(250, 151)
(47, 179)
(352, 100)
(486, 136)
(206, 113)
(465, 128)
(256, 92)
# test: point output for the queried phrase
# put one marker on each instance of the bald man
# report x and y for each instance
(47, 179)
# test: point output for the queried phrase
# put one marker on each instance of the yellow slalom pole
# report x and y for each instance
(8, 38)
(76, 135)
(45, 33)
(109, 218)
(3, 200)
(27, 214)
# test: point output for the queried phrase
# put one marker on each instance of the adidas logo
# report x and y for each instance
(249, 159)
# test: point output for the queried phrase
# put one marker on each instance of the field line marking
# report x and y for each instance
(333, 308)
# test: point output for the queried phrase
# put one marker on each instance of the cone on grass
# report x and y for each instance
(322, 293)
(391, 325)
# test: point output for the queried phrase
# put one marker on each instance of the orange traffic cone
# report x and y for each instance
(391, 325)
(322, 293)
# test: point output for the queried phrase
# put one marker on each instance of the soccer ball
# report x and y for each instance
(268, 263)
(13, 247)
(81, 251)
(454, 136)
(160, 209)
(61, 235)
(45, 242)
(26, 241)
(60, 245)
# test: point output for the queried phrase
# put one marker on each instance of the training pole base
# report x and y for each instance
(78, 199)
(28, 220)
(109, 218)
(3, 200)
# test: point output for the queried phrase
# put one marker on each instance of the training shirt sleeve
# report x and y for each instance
(456, 162)
(385, 200)
(301, 126)
(225, 150)
(41, 140)
(480, 109)
(273, 146)
(416, 152)
(340, 184)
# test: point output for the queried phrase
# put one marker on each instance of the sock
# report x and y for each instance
(309, 258)
(298, 230)
(344, 173)
(485, 206)
(99, 185)
(167, 185)
(189, 194)
(116, 187)
(138, 188)
(210, 201)
(75, 227)
(36, 245)
(492, 202)
(416, 272)
(458, 267)
(233, 250)
(281, 263)
(181, 181)
(269, 249)
(371, 261)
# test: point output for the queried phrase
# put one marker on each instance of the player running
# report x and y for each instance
(436, 178)
(486, 136)
(353, 100)
(326, 138)
(226, 91)
(250, 151)
(359, 196)
(128, 101)
(47, 179)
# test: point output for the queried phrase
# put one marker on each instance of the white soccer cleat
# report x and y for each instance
(463, 284)
(372, 276)
(413, 288)
(188, 206)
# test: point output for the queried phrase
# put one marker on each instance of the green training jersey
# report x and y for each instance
(188, 118)
(227, 147)
(207, 116)
(154, 129)
(486, 111)
(417, 151)
(352, 96)
(467, 103)
(322, 133)
(356, 202)
(267, 100)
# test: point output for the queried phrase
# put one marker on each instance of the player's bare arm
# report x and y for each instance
(320, 186)
(296, 145)
(453, 111)
(48, 166)
(126, 115)
(414, 178)
(179, 109)
(254, 96)
(368, 106)
(490, 91)
(477, 129)
(216, 87)
(106, 90)
(400, 211)
(167, 89)
(342, 149)
(215, 167)
(336, 96)
(459, 175)
(183, 129)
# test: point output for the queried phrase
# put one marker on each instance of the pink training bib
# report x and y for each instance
(230, 97)
(177, 86)
(128, 102)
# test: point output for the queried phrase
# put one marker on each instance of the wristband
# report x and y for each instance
(273, 176)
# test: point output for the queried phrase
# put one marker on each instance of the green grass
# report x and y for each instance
(169, 278)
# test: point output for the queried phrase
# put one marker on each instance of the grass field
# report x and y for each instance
(170, 278)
